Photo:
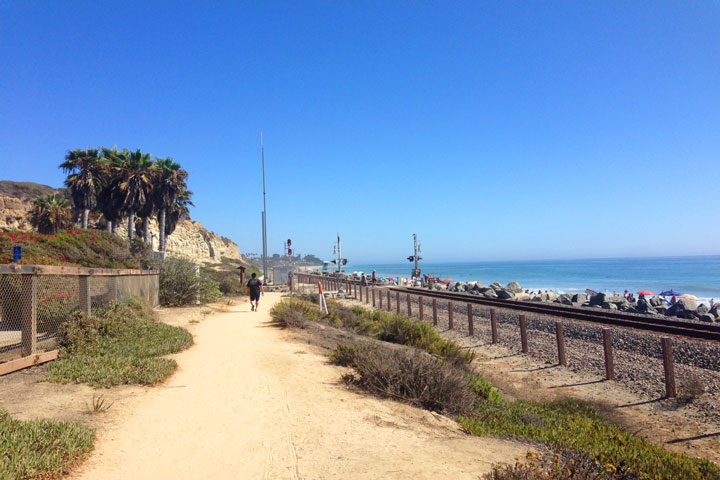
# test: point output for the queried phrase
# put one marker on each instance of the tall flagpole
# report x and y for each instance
(264, 214)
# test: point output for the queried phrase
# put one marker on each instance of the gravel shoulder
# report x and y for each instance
(250, 401)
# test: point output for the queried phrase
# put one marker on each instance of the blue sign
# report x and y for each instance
(17, 253)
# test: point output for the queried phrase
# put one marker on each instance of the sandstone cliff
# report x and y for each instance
(190, 239)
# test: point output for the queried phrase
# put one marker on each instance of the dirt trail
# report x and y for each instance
(248, 403)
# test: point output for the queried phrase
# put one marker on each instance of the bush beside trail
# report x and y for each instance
(120, 345)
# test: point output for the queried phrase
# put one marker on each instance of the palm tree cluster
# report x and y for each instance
(125, 184)
(49, 214)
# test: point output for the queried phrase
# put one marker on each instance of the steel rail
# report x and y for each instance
(703, 331)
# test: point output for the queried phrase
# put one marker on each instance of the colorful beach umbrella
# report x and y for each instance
(670, 293)
(690, 297)
(447, 280)
(645, 292)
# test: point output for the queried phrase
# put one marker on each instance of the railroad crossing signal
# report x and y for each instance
(415, 258)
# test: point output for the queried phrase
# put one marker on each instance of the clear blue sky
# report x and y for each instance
(494, 130)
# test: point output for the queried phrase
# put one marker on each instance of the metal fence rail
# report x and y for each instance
(35, 300)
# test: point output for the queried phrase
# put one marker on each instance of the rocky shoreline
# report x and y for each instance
(682, 308)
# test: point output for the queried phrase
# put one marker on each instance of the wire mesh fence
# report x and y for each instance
(36, 300)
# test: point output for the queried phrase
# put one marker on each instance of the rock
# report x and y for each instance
(536, 298)
(551, 296)
(579, 298)
(644, 306)
(514, 287)
(656, 301)
(566, 299)
(708, 317)
(490, 293)
(609, 306)
(598, 299)
(715, 310)
(496, 286)
(439, 286)
(702, 309)
(522, 296)
(504, 294)
(616, 299)
(683, 308)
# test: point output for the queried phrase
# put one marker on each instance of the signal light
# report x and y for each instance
(289, 252)
(344, 261)
(411, 258)
(334, 261)
(289, 243)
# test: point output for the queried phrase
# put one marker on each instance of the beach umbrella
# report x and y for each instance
(447, 280)
(391, 278)
(670, 293)
(690, 297)
(645, 292)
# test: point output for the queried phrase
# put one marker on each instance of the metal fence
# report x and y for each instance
(35, 300)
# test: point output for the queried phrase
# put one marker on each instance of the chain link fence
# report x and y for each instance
(36, 300)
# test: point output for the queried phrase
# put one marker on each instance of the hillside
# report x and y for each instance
(190, 240)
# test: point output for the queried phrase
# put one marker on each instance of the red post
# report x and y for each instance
(420, 308)
(409, 306)
(493, 326)
(560, 337)
(471, 329)
(609, 361)
(668, 365)
(523, 334)
(434, 311)
(450, 315)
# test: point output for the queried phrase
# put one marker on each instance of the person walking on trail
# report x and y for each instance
(255, 288)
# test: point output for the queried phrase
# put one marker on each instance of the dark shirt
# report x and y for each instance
(254, 285)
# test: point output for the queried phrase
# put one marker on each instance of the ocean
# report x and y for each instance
(699, 276)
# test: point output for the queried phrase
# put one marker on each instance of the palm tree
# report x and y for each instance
(132, 183)
(177, 211)
(169, 185)
(49, 214)
(82, 167)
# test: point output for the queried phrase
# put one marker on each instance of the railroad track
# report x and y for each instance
(703, 331)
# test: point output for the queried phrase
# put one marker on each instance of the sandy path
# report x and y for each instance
(246, 403)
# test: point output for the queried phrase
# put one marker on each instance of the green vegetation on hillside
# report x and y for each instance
(118, 346)
(87, 248)
(573, 430)
(41, 448)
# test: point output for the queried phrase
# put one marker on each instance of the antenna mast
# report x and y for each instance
(264, 214)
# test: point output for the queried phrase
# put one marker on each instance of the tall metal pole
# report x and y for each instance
(339, 255)
(416, 252)
(264, 214)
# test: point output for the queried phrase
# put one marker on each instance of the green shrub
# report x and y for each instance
(182, 284)
(41, 448)
(117, 346)
(344, 354)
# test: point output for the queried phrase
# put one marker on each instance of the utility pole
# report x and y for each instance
(415, 257)
(337, 249)
(264, 214)
(339, 255)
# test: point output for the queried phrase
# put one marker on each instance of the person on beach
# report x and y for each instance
(255, 289)
(363, 280)
(374, 278)
(625, 294)
(673, 300)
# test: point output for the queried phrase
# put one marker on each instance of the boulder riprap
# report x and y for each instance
(514, 287)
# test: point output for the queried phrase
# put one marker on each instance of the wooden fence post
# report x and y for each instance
(523, 334)
(397, 302)
(450, 315)
(389, 302)
(373, 296)
(493, 326)
(28, 325)
(380, 299)
(668, 365)
(367, 295)
(84, 293)
(560, 337)
(471, 328)
(609, 361)
(434, 304)
(409, 306)
(421, 314)
(361, 289)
